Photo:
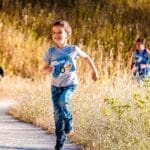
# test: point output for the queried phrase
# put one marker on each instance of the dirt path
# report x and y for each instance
(16, 135)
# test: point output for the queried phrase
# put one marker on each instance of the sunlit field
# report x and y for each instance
(112, 113)
(108, 114)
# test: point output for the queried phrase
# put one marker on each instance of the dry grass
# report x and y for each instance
(108, 114)
(112, 113)
(104, 29)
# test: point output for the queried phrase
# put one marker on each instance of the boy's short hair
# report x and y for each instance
(64, 24)
(140, 40)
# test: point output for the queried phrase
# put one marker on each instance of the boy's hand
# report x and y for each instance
(95, 76)
(48, 70)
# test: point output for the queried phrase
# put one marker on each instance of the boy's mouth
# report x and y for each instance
(58, 39)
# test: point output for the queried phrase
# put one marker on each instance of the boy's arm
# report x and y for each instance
(88, 59)
(148, 52)
(46, 68)
(143, 66)
(132, 63)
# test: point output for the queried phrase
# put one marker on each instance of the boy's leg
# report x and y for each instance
(64, 102)
(59, 123)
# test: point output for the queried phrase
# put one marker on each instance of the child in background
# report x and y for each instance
(140, 66)
(60, 61)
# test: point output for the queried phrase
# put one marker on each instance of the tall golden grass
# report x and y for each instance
(104, 29)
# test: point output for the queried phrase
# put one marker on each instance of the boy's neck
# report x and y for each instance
(60, 46)
(141, 50)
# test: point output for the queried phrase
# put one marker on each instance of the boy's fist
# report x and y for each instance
(95, 76)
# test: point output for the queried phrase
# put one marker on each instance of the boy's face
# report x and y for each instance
(140, 46)
(59, 35)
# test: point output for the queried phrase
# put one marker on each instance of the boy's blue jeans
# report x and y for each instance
(63, 118)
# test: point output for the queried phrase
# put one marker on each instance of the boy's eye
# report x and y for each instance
(57, 32)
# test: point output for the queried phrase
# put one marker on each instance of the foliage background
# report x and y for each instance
(106, 29)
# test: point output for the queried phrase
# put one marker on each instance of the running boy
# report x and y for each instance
(140, 66)
(61, 62)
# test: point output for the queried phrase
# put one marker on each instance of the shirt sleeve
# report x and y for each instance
(79, 52)
(47, 56)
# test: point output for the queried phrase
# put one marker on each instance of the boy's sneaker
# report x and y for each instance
(69, 132)
(60, 147)
(60, 144)
(68, 127)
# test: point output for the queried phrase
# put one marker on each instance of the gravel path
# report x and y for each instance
(16, 135)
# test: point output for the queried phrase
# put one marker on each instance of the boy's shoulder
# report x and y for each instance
(75, 47)
(51, 48)
(72, 46)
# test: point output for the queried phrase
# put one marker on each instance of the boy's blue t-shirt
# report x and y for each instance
(141, 58)
(63, 62)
